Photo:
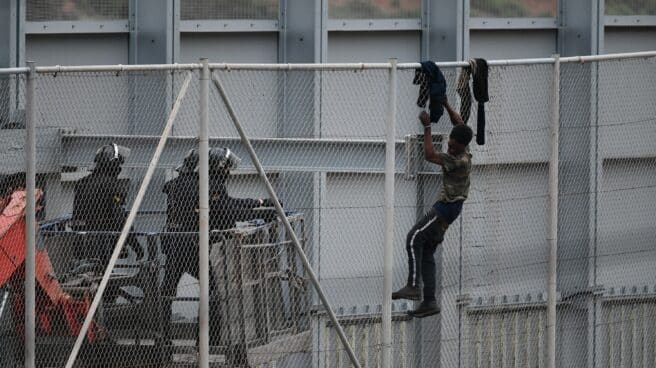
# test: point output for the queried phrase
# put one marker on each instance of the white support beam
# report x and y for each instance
(374, 25)
(513, 23)
(280, 154)
(229, 25)
(630, 20)
(77, 27)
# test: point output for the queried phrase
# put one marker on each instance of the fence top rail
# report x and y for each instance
(236, 139)
(335, 66)
(5, 71)
(116, 68)
(312, 66)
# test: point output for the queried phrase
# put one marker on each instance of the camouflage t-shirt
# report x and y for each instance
(455, 181)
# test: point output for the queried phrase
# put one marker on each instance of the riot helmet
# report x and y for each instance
(189, 163)
(223, 159)
(110, 157)
(220, 160)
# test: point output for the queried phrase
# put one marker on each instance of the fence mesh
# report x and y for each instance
(632, 7)
(374, 9)
(335, 182)
(58, 10)
(12, 208)
(513, 8)
(320, 135)
(504, 225)
(626, 177)
(106, 126)
(226, 9)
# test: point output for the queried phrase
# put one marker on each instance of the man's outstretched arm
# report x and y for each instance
(429, 151)
(455, 117)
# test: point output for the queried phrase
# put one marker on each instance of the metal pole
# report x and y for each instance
(128, 223)
(204, 221)
(552, 238)
(388, 252)
(30, 220)
(288, 226)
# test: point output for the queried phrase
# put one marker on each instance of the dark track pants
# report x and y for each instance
(421, 243)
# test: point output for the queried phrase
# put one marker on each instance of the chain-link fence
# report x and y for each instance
(505, 225)
(513, 8)
(630, 7)
(319, 132)
(368, 9)
(59, 10)
(624, 197)
(12, 224)
(226, 9)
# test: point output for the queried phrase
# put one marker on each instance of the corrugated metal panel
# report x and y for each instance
(364, 334)
(506, 339)
(628, 334)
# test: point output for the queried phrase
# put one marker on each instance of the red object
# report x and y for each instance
(52, 303)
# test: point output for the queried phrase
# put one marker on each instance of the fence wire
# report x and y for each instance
(513, 8)
(12, 221)
(630, 7)
(225, 9)
(320, 135)
(60, 10)
(626, 177)
(368, 9)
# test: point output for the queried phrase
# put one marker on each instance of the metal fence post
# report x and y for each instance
(203, 236)
(288, 227)
(129, 221)
(388, 275)
(552, 237)
(30, 220)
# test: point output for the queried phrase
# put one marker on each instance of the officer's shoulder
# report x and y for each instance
(172, 182)
(84, 179)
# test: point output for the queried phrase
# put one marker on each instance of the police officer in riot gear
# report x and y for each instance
(99, 203)
(225, 210)
(182, 221)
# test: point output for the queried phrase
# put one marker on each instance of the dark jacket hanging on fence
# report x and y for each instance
(481, 95)
(479, 69)
(432, 85)
(463, 90)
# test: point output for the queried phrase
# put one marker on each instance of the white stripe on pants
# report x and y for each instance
(412, 250)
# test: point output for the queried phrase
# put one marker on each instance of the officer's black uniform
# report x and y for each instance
(182, 224)
(99, 205)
